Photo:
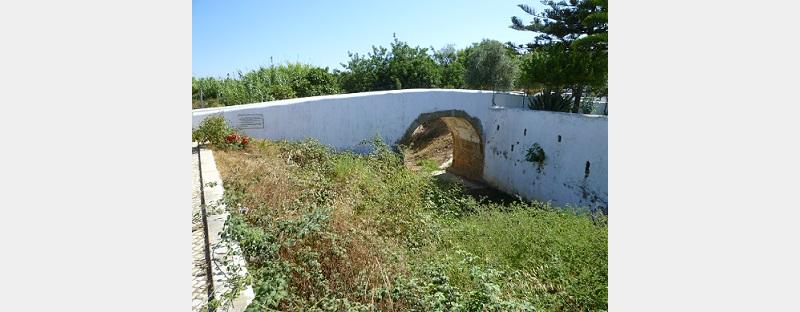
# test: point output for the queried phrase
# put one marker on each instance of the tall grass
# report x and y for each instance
(327, 231)
(280, 82)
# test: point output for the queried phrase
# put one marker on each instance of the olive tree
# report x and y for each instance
(490, 66)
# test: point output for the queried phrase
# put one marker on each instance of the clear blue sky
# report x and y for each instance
(242, 35)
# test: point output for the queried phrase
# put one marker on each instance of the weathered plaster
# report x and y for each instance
(483, 135)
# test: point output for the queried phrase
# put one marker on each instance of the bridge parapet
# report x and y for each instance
(490, 143)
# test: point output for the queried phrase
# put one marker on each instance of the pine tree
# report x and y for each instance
(569, 31)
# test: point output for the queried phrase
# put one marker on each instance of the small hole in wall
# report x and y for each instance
(498, 127)
(559, 138)
(512, 147)
(586, 171)
(525, 132)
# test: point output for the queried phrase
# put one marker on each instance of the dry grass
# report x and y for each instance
(273, 185)
(369, 260)
(394, 240)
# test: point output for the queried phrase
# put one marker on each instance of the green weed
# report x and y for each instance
(338, 231)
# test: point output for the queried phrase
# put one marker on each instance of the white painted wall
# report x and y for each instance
(561, 178)
(344, 120)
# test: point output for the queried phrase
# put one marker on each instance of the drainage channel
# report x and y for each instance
(209, 276)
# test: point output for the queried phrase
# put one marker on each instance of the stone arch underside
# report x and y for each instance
(467, 141)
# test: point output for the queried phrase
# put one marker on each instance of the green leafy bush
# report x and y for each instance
(215, 131)
(550, 101)
(398, 67)
(212, 130)
(279, 82)
(535, 154)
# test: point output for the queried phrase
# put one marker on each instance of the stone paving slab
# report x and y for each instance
(227, 262)
(199, 278)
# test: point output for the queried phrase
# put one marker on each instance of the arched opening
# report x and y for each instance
(452, 139)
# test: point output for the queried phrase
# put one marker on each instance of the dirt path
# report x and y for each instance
(431, 141)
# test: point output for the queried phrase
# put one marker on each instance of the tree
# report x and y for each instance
(412, 67)
(402, 67)
(317, 81)
(490, 67)
(572, 41)
(275, 82)
(553, 67)
(366, 73)
(451, 67)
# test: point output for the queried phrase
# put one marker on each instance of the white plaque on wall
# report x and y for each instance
(251, 121)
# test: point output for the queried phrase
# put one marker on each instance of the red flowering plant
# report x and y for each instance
(215, 131)
(235, 140)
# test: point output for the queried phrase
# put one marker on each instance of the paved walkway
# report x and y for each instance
(199, 278)
(227, 265)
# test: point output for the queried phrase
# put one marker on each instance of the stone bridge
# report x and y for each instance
(490, 144)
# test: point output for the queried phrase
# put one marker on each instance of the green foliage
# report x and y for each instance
(564, 21)
(557, 260)
(266, 84)
(570, 49)
(360, 232)
(366, 73)
(412, 67)
(451, 65)
(535, 154)
(550, 101)
(215, 131)
(402, 67)
(317, 81)
(448, 199)
(428, 165)
(556, 67)
(490, 67)
(212, 130)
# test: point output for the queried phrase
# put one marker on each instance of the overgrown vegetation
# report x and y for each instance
(336, 231)
(550, 101)
(569, 54)
(216, 132)
(536, 155)
(264, 84)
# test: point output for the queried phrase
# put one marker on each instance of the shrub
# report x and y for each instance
(212, 130)
(550, 101)
(535, 154)
(276, 82)
(216, 132)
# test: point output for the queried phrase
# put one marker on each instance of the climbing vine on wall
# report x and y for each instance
(536, 155)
